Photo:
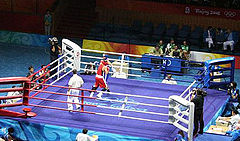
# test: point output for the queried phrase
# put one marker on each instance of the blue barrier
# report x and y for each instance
(25, 39)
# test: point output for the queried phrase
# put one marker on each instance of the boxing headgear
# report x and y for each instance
(105, 56)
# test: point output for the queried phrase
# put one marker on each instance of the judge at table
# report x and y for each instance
(156, 51)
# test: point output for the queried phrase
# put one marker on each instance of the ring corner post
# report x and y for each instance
(82, 100)
(26, 91)
(191, 121)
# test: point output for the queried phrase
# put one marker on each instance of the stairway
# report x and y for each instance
(77, 18)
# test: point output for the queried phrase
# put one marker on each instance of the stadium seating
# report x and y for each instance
(146, 34)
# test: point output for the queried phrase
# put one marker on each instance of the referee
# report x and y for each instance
(74, 82)
(198, 100)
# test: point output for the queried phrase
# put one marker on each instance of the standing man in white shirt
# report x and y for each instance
(169, 80)
(84, 136)
(74, 82)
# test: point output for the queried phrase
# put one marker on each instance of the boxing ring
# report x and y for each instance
(133, 107)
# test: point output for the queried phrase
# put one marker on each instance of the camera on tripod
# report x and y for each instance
(197, 91)
(53, 41)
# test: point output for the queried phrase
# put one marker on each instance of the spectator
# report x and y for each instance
(9, 135)
(180, 136)
(90, 68)
(169, 80)
(220, 38)
(208, 36)
(157, 51)
(161, 45)
(43, 72)
(185, 50)
(228, 40)
(198, 100)
(15, 93)
(47, 22)
(84, 136)
(169, 47)
(233, 92)
(30, 73)
(176, 52)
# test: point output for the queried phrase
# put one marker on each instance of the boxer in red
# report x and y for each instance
(100, 79)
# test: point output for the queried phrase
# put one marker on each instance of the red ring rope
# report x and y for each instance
(57, 93)
(56, 108)
(60, 101)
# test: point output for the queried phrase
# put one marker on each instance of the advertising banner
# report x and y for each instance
(116, 47)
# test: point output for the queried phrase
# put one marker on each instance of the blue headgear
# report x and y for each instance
(106, 56)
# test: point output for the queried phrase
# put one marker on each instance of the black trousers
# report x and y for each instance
(198, 118)
(53, 58)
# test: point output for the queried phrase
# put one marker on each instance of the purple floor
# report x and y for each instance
(213, 101)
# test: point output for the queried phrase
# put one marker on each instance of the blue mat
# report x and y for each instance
(213, 102)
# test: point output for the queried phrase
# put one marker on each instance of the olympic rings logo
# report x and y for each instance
(230, 13)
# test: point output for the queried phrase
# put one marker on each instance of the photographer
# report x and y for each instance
(233, 92)
(55, 50)
(198, 100)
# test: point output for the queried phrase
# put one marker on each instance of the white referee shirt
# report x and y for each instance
(83, 137)
(75, 82)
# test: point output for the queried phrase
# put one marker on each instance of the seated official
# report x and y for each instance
(90, 68)
(233, 120)
(185, 50)
(85, 137)
(31, 72)
(45, 73)
(208, 36)
(161, 45)
(176, 53)
(157, 51)
(169, 47)
(169, 80)
(228, 40)
(233, 92)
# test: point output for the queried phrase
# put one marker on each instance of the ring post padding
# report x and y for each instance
(176, 102)
(210, 68)
(76, 52)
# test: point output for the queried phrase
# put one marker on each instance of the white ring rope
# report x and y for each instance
(136, 103)
(132, 95)
(113, 53)
(145, 112)
(152, 120)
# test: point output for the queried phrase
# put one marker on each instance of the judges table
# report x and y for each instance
(168, 63)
